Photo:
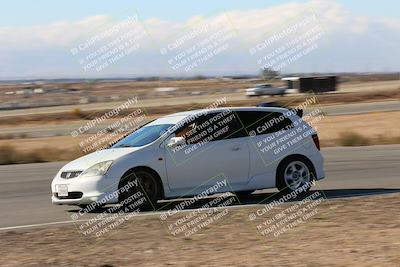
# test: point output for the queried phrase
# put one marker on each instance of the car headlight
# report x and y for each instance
(98, 169)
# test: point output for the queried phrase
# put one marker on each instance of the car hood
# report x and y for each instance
(89, 160)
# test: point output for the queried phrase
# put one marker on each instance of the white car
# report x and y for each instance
(265, 89)
(184, 154)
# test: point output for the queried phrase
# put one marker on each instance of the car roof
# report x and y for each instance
(181, 116)
(215, 110)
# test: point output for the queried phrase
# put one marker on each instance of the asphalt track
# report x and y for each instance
(351, 171)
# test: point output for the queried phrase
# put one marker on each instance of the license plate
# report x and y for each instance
(62, 190)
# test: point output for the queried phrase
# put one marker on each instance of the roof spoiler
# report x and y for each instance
(299, 112)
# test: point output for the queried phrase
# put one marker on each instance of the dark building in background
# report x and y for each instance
(316, 84)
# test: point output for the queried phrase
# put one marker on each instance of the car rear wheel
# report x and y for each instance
(294, 174)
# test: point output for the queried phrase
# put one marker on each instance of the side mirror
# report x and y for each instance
(176, 141)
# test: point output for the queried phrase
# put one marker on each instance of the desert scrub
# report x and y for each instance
(77, 112)
(352, 139)
(9, 155)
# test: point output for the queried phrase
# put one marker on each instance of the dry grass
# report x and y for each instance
(355, 139)
(293, 100)
(352, 139)
(10, 155)
(378, 128)
(342, 130)
(77, 112)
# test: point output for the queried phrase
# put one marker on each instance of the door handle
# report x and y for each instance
(235, 148)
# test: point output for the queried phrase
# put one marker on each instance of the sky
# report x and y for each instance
(38, 37)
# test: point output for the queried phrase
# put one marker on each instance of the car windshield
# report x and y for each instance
(143, 136)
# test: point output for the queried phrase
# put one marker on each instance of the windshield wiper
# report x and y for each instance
(124, 145)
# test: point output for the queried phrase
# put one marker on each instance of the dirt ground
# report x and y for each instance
(76, 113)
(361, 231)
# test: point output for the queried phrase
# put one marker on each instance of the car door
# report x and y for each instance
(215, 147)
(268, 134)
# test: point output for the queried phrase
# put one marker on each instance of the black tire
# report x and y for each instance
(291, 167)
(98, 207)
(83, 206)
(148, 189)
(244, 195)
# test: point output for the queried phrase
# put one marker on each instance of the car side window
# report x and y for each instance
(212, 127)
(264, 122)
(227, 126)
(188, 131)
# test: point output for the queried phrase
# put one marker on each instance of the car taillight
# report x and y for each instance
(316, 140)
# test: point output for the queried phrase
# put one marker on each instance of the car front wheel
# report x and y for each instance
(143, 195)
(244, 195)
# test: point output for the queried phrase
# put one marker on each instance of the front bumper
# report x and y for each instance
(85, 190)
(319, 167)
